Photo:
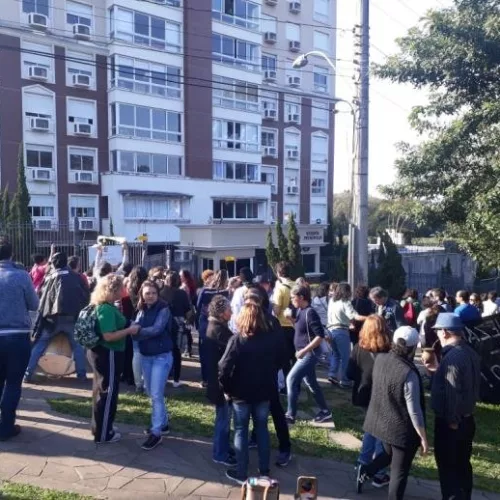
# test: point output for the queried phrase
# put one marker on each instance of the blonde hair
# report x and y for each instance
(251, 319)
(374, 335)
(106, 289)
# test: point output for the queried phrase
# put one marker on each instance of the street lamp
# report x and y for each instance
(354, 241)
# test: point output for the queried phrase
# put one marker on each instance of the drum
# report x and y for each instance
(58, 358)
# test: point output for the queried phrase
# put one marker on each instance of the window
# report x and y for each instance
(236, 135)
(83, 207)
(235, 210)
(321, 79)
(34, 55)
(228, 170)
(293, 75)
(291, 180)
(269, 100)
(145, 163)
(38, 6)
(322, 10)
(145, 77)
(153, 208)
(269, 62)
(269, 138)
(319, 148)
(239, 12)
(230, 93)
(82, 159)
(269, 175)
(318, 186)
(145, 30)
(274, 211)
(229, 50)
(40, 212)
(292, 109)
(289, 209)
(318, 213)
(78, 13)
(292, 143)
(80, 64)
(322, 41)
(37, 105)
(293, 32)
(146, 123)
(269, 24)
(81, 112)
(320, 114)
(39, 156)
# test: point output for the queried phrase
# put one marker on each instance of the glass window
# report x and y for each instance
(318, 187)
(38, 6)
(78, 13)
(322, 41)
(321, 79)
(269, 62)
(229, 50)
(241, 135)
(320, 114)
(319, 148)
(37, 211)
(293, 32)
(82, 159)
(127, 163)
(322, 8)
(39, 157)
(239, 12)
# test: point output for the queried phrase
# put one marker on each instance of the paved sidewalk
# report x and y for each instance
(56, 451)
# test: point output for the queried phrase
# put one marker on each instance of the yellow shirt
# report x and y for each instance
(281, 300)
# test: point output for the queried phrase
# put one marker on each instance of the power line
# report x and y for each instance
(181, 79)
(121, 43)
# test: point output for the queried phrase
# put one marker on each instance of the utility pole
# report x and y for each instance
(358, 262)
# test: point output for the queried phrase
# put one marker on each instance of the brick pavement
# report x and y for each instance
(56, 451)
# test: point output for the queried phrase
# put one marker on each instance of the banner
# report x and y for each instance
(485, 339)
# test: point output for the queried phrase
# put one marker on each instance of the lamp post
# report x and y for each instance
(355, 267)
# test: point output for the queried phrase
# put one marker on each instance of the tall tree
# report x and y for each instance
(454, 54)
(5, 207)
(391, 274)
(282, 242)
(294, 248)
(272, 253)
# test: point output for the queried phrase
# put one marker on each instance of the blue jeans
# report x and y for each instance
(304, 368)
(14, 356)
(156, 370)
(371, 447)
(65, 327)
(137, 366)
(260, 416)
(222, 430)
(341, 351)
(202, 335)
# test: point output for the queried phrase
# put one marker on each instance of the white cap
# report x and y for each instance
(408, 334)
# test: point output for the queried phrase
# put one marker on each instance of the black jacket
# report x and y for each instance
(387, 417)
(248, 369)
(360, 371)
(218, 336)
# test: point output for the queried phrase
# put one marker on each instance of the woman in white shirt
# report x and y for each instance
(340, 315)
(490, 306)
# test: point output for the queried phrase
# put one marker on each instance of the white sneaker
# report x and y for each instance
(176, 384)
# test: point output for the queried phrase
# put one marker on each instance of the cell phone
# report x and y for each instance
(307, 488)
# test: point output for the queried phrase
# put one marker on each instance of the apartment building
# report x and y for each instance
(181, 120)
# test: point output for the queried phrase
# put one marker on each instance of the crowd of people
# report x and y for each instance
(259, 338)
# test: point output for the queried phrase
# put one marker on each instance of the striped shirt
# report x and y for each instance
(455, 387)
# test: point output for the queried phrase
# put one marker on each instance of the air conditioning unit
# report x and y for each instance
(272, 3)
(82, 129)
(40, 124)
(270, 151)
(270, 37)
(43, 224)
(294, 81)
(294, 46)
(38, 73)
(270, 114)
(292, 154)
(295, 7)
(41, 174)
(81, 31)
(38, 21)
(270, 75)
(86, 224)
(292, 190)
(84, 177)
(293, 117)
(81, 81)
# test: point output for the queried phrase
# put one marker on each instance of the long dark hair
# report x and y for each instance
(342, 292)
(190, 282)
(172, 283)
(137, 277)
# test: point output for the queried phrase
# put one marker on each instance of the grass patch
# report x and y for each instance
(192, 415)
(13, 491)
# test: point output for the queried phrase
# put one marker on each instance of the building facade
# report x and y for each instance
(160, 115)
